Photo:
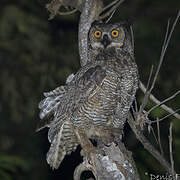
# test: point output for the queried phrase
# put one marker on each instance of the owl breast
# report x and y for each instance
(99, 107)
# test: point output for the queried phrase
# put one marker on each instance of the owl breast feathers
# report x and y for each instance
(97, 97)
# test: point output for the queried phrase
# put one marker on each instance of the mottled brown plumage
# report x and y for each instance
(96, 100)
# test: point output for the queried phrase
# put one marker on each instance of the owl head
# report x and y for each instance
(105, 36)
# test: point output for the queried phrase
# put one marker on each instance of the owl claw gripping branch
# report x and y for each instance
(97, 97)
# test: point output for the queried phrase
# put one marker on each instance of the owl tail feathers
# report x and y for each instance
(57, 150)
(63, 144)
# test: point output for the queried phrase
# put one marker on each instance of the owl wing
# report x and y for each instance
(60, 103)
(85, 83)
(49, 105)
(127, 86)
(88, 82)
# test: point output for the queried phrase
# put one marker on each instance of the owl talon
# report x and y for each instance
(87, 153)
(88, 156)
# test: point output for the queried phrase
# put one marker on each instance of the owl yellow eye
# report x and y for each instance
(115, 33)
(97, 34)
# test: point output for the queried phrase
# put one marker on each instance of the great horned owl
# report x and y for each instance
(97, 98)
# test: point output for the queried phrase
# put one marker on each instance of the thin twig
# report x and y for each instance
(154, 135)
(172, 30)
(67, 13)
(136, 106)
(166, 36)
(150, 75)
(155, 100)
(149, 90)
(134, 109)
(110, 16)
(163, 51)
(132, 37)
(170, 149)
(166, 116)
(159, 137)
(148, 146)
(147, 93)
(111, 10)
(109, 5)
(164, 48)
(162, 102)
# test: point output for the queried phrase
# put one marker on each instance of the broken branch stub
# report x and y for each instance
(54, 6)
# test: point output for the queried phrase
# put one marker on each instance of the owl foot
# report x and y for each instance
(89, 151)
(89, 155)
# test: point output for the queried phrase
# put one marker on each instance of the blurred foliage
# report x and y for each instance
(36, 55)
(12, 167)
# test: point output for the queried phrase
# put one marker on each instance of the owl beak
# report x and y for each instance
(105, 40)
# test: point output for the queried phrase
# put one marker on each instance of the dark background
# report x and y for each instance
(36, 55)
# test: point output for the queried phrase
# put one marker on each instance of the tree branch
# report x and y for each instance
(159, 138)
(170, 150)
(147, 145)
(115, 5)
(116, 163)
(171, 114)
(164, 101)
(155, 100)
(90, 13)
(81, 168)
(55, 5)
(163, 51)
